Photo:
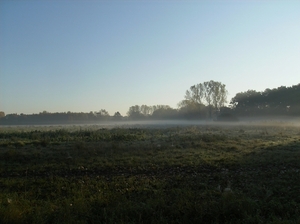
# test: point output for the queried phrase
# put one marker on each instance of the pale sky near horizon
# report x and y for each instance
(85, 56)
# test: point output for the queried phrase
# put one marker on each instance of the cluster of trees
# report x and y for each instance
(278, 101)
(201, 101)
(208, 96)
(151, 112)
(207, 101)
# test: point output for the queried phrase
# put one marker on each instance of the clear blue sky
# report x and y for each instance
(85, 56)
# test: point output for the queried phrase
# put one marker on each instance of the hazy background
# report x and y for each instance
(87, 55)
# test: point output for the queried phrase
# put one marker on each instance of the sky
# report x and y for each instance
(83, 56)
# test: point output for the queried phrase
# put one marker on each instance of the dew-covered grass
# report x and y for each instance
(184, 174)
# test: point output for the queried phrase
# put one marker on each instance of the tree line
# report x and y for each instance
(205, 100)
(55, 118)
(279, 101)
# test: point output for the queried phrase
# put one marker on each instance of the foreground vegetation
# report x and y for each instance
(187, 174)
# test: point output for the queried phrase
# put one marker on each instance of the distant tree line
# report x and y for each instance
(279, 101)
(201, 101)
(57, 118)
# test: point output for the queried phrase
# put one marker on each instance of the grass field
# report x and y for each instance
(184, 174)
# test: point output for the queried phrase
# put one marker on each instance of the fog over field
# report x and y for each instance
(260, 122)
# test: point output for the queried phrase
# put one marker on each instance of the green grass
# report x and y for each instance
(150, 175)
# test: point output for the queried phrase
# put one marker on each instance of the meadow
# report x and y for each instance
(150, 174)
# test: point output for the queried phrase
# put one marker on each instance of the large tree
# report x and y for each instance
(215, 94)
(195, 94)
(145, 110)
(134, 112)
(211, 93)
